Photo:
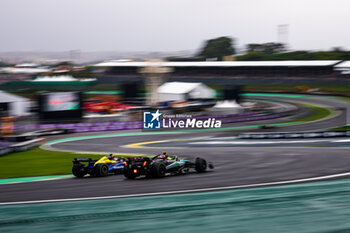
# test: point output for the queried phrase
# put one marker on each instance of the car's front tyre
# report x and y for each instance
(200, 165)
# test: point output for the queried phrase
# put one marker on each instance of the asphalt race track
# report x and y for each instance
(237, 162)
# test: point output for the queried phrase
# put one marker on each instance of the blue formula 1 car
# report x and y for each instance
(107, 165)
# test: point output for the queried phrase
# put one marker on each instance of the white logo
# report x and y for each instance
(151, 120)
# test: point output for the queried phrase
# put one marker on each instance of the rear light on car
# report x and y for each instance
(144, 163)
(135, 170)
(126, 164)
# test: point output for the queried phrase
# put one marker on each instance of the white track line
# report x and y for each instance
(185, 191)
(343, 140)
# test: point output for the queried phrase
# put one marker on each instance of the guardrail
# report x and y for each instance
(289, 135)
(21, 146)
(112, 123)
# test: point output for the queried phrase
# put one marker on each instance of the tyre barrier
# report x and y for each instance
(48, 132)
(21, 146)
(18, 138)
(32, 135)
(26, 141)
(5, 150)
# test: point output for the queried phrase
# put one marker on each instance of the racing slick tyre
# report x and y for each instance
(101, 169)
(200, 165)
(78, 171)
(158, 170)
(128, 173)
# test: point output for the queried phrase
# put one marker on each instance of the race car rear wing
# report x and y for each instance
(82, 160)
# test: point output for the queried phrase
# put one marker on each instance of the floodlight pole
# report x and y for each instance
(154, 73)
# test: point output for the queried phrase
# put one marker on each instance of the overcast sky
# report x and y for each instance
(168, 25)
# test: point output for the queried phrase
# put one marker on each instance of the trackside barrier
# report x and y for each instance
(113, 123)
(140, 126)
(5, 150)
(21, 146)
(288, 135)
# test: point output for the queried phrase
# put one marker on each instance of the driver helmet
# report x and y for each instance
(164, 155)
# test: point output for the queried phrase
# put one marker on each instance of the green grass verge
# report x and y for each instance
(345, 98)
(318, 112)
(39, 162)
(342, 128)
(330, 88)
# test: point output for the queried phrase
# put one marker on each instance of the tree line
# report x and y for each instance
(223, 48)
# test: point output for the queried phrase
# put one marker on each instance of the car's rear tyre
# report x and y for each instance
(200, 165)
(101, 169)
(158, 170)
(78, 171)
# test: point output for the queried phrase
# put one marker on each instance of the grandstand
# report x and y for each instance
(242, 71)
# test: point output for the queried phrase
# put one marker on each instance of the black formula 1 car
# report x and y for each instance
(158, 166)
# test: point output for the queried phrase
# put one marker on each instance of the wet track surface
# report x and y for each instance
(226, 142)
(233, 165)
(238, 166)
